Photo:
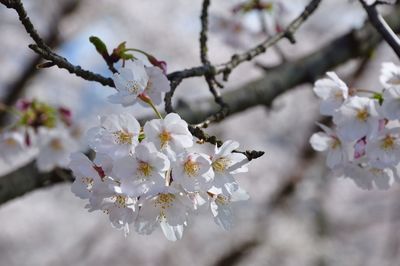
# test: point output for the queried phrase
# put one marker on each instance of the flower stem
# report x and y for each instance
(147, 100)
(155, 110)
(365, 91)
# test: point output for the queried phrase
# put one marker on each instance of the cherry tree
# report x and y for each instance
(161, 170)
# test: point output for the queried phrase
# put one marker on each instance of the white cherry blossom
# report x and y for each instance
(390, 75)
(170, 135)
(143, 172)
(385, 148)
(156, 85)
(226, 164)
(130, 82)
(333, 92)
(121, 208)
(193, 172)
(357, 118)
(169, 209)
(390, 107)
(369, 176)
(117, 135)
(90, 176)
(328, 141)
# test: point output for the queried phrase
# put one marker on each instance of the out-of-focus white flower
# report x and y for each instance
(12, 145)
(170, 135)
(330, 142)
(333, 92)
(226, 164)
(357, 118)
(169, 209)
(390, 75)
(55, 147)
(221, 207)
(143, 172)
(193, 172)
(130, 83)
(117, 136)
(385, 148)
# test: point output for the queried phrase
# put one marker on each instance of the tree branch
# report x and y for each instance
(382, 27)
(358, 43)
(278, 80)
(44, 50)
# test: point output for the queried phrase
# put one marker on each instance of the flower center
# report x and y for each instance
(362, 115)
(220, 164)
(165, 137)
(222, 200)
(339, 96)
(387, 143)
(123, 137)
(88, 181)
(56, 145)
(133, 87)
(376, 171)
(165, 200)
(335, 143)
(191, 168)
(144, 169)
(10, 142)
(120, 201)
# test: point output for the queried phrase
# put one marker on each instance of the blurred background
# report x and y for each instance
(298, 214)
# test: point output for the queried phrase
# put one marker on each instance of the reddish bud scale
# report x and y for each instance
(100, 171)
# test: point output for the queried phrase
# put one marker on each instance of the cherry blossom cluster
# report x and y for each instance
(156, 174)
(364, 143)
(45, 130)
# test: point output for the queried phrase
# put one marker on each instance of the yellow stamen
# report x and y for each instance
(164, 201)
(120, 201)
(144, 169)
(88, 181)
(11, 142)
(133, 87)
(335, 144)
(165, 137)
(123, 137)
(191, 168)
(56, 144)
(221, 164)
(387, 143)
(362, 115)
(222, 200)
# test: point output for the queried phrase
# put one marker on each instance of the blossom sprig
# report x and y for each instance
(156, 175)
(153, 175)
(48, 131)
(364, 143)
